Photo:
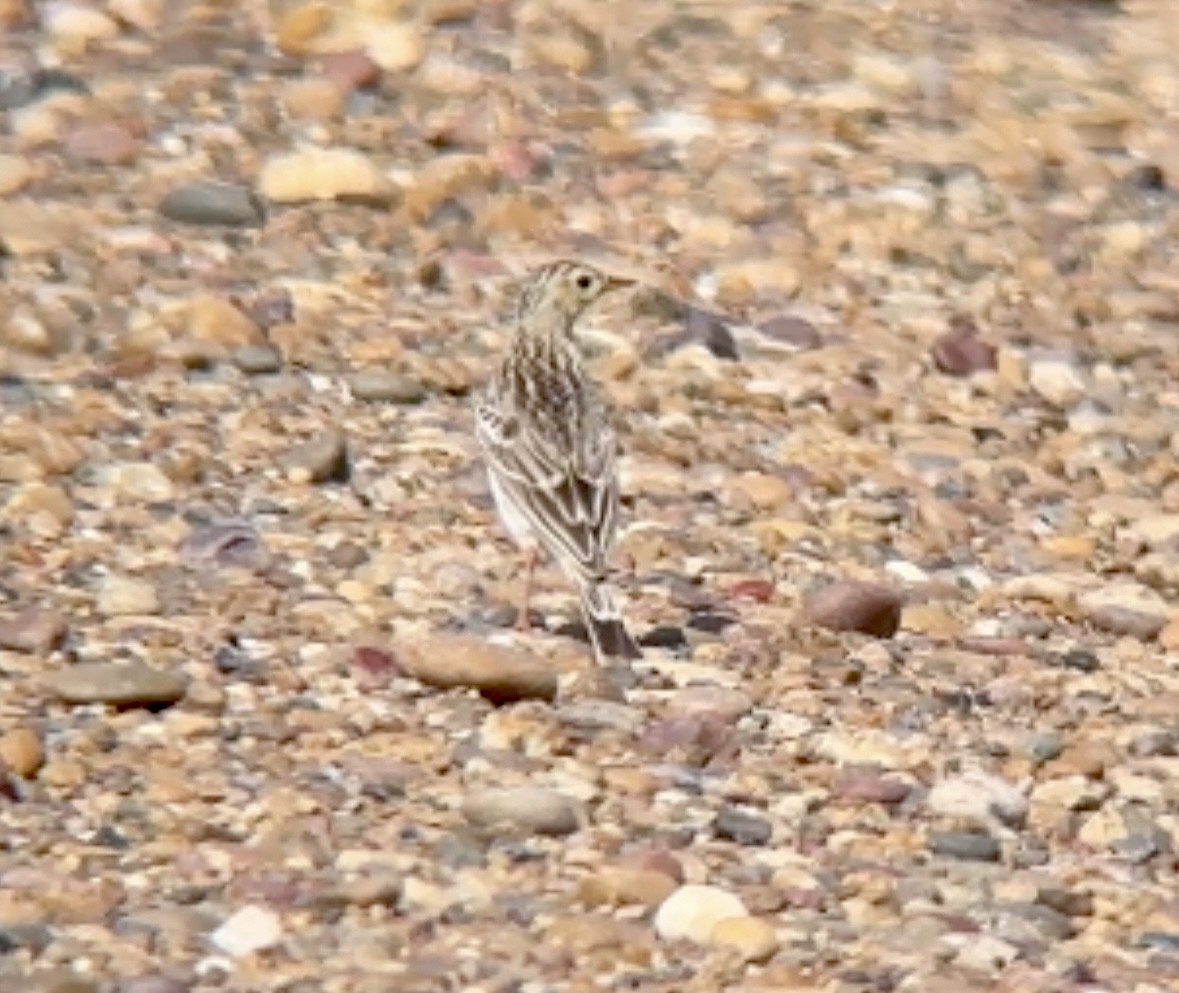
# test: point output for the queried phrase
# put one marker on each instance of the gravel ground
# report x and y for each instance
(901, 498)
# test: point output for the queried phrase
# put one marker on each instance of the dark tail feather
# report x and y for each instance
(606, 628)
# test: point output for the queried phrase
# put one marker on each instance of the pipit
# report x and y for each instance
(551, 452)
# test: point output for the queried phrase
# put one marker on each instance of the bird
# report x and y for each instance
(550, 449)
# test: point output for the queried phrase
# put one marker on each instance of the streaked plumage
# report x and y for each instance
(550, 448)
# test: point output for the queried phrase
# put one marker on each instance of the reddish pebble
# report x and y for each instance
(758, 590)
(850, 605)
(352, 70)
(657, 860)
(870, 787)
(374, 663)
(102, 144)
(960, 352)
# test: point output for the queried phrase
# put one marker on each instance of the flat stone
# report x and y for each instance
(1058, 381)
(693, 911)
(968, 846)
(251, 929)
(206, 202)
(1126, 608)
(120, 596)
(323, 174)
(619, 886)
(531, 809)
(377, 386)
(734, 824)
(752, 939)
(500, 673)
(258, 360)
(124, 684)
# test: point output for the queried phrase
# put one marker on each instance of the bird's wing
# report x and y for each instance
(562, 481)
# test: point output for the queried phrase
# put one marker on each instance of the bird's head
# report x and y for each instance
(560, 291)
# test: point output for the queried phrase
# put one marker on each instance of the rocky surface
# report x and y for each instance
(901, 498)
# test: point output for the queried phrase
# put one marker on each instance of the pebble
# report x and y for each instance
(869, 787)
(321, 459)
(788, 329)
(693, 911)
(34, 631)
(250, 929)
(141, 481)
(960, 352)
(531, 809)
(118, 683)
(323, 174)
(850, 605)
(258, 360)
(753, 940)
(1126, 608)
(499, 673)
(351, 70)
(21, 751)
(733, 824)
(16, 172)
(102, 144)
(1058, 381)
(979, 797)
(207, 202)
(378, 386)
(120, 596)
(968, 846)
(217, 320)
(615, 886)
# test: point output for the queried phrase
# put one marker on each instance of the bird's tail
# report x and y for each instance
(606, 629)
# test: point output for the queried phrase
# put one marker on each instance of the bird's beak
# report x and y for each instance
(618, 283)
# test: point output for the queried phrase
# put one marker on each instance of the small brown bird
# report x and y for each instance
(551, 452)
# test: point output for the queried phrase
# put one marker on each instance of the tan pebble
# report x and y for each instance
(1069, 546)
(750, 937)
(74, 26)
(212, 319)
(1169, 636)
(613, 886)
(562, 51)
(301, 26)
(145, 15)
(446, 177)
(125, 596)
(46, 511)
(21, 751)
(323, 174)
(395, 46)
(16, 172)
(103, 144)
(931, 619)
(762, 490)
(62, 773)
(313, 99)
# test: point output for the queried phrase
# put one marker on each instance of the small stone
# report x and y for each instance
(312, 99)
(34, 631)
(377, 386)
(205, 202)
(851, 605)
(733, 824)
(870, 787)
(59, 981)
(377, 889)
(614, 886)
(141, 481)
(968, 846)
(499, 673)
(323, 174)
(753, 939)
(251, 929)
(121, 596)
(763, 490)
(16, 172)
(985, 953)
(123, 684)
(322, 459)
(21, 751)
(258, 360)
(301, 25)
(352, 70)
(1155, 531)
(76, 26)
(102, 144)
(1126, 608)
(531, 809)
(225, 544)
(214, 319)
(787, 329)
(1058, 381)
(40, 509)
(693, 911)
(960, 352)
(979, 797)
(153, 982)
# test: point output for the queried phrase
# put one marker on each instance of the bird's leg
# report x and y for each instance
(522, 619)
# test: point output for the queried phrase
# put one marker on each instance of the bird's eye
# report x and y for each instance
(585, 281)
